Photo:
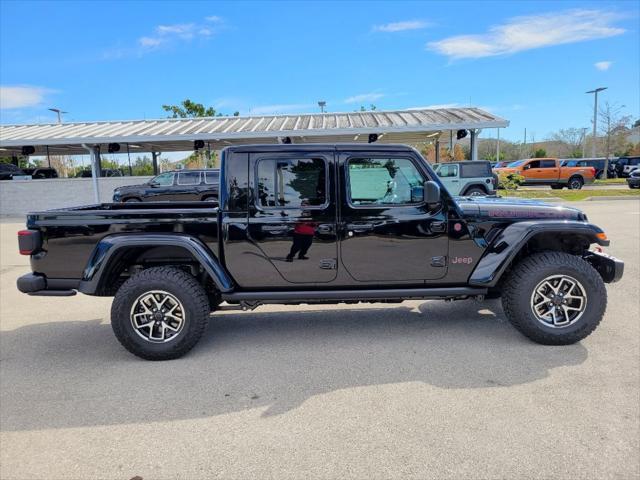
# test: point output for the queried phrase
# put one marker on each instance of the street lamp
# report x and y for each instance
(59, 112)
(322, 104)
(595, 117)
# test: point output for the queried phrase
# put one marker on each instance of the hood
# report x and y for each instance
(127, 188)
(516, 209)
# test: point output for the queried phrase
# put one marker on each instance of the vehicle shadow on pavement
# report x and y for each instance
(72, 374)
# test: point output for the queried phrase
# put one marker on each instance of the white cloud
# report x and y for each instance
(401, 26)
(364, 97)
(21, 96)
(149, 42)
(164, 36)
(281, 108)
(603, 66)
(529, 32)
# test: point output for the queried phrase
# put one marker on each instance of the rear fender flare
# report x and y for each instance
(106, 251)
(512, 239)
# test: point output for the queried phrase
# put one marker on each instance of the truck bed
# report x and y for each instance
(74, 232)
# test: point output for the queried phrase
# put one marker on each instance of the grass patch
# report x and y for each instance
(570, 195)
(611, 181)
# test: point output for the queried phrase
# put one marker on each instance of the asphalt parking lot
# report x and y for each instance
(412, 390)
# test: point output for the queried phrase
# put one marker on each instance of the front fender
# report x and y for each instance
(510, 241)
(109, 247)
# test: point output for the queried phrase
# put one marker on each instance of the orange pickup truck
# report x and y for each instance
(547, 171)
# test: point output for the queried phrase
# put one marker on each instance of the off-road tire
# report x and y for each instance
(526, 275)
(179, 284)
(474, 191)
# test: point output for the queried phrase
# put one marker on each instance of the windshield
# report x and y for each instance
(516, 163)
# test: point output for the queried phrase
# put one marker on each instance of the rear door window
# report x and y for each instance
(547, 164)
(447, 171)
(475, 170)
(292, 183)
(211, 178)
(188, 178)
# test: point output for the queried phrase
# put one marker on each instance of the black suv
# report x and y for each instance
(41, 172)
(8, 170)
(181, 185)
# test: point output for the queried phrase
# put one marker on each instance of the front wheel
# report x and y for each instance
(160, 313)
(554, 298)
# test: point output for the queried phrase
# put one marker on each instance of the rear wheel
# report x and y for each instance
(554, 298)
(132, 200)
(474, 192)
(210, 199)
(160, 313)
(575, 183)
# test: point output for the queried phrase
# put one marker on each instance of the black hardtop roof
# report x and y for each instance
(316, 147)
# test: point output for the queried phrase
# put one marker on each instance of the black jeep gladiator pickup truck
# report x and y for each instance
(320, 224)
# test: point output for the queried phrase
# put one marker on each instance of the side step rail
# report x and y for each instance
(353, 295)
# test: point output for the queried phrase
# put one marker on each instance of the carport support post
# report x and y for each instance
(437, 151)
(93, 152)
(155, 155)
(474, 144)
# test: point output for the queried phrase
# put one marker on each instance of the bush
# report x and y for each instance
(510, 181)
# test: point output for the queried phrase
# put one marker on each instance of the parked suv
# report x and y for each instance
(625, 165)
(181, 185)
(633, 180)
(44, 172)
(8, 170)
(468, 178)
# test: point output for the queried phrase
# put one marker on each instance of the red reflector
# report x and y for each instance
(27, 241)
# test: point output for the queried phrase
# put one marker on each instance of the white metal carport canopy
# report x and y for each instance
(165, 135)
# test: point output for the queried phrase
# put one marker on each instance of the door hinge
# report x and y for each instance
(328, 263)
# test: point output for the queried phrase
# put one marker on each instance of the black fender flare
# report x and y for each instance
(487, 187)
(510, 241)
(105, 251)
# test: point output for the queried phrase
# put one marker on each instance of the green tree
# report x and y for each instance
(189, 109)
(540, 153)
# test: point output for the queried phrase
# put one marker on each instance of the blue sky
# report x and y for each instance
(530, 62)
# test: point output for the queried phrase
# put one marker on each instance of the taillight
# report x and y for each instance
(28, 241)
(593, 171)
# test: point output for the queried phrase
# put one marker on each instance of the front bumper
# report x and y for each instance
(610, 268)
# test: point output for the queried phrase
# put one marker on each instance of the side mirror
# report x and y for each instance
(153, 184)
(417, 194)
(431, 192)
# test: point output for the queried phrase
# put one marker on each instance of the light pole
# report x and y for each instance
(584, 139)
(59, 112)
(322, 104)
(595, 117)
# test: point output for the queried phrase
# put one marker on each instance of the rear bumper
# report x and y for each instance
(610, 268)
(39, 285)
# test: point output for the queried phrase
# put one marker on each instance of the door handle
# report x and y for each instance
(325, 229)
(360, 227)
(276, 229)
